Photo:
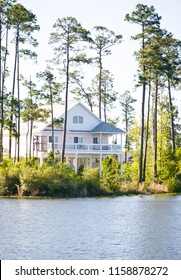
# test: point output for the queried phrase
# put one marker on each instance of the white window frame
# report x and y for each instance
(96, 140)
(78, 119)
(56, 141)
(80, 139)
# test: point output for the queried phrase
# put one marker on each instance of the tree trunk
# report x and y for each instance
(30, 142)
(155, 129)
(12, 94)
(171, 117)
(147, 135)
(52, 120)
(3, 74)
(18, 123)
(142, 113)
(126, 140)
(142, 134)
(66, 106)
(5, 61)
(30, 123)
(1, 98)
(27, 134)
(100, 82)
(105, 115)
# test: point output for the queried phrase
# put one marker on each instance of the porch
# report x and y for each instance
(87, 148)
(88, 154)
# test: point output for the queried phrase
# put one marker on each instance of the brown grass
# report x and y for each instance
(137, 188)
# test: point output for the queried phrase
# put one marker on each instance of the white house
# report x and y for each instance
(88, 138)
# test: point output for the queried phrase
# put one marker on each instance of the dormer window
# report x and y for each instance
(78, 119)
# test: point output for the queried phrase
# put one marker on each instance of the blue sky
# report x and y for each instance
(108, 13)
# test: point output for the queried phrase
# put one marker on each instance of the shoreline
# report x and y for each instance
(78, 197)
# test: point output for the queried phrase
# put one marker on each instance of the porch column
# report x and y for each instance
(41, 158)
(100, 158)
(121, 164)
(121, 157)
(100, 138)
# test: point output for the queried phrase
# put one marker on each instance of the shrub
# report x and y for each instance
(57, 180)
(9, 178)
(2, 184)
(32, 180)
(111, 180)
(173, 185)
(89, 182)
(63, 182)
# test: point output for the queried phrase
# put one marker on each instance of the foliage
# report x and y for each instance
(130, 171)
(67, 41)
(57, 179)
(128, 113)
(103, 40)
(89, 182)
(154, 142)
(111, 180)
(9, 178)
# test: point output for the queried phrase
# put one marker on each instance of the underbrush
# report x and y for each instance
(56, 179)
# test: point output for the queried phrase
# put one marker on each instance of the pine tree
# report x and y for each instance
(128, 112)
(149, 22)
(5, 6)
(51, 94)
(24, 23)
(104, 39)
(66, 39)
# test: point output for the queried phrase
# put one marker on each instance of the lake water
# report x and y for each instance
(134, 227)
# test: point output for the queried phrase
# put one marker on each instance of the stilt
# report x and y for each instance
(121, 164)
(76, 163)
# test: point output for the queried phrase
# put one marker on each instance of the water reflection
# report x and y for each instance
(147, 227)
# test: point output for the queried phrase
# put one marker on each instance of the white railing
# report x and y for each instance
(87, 148)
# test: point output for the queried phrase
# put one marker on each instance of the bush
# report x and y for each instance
(63, 182)
(173, 185)
(9, 178)
(111, 180)
(89, 182)
(32, 181)
(2, 184)
(48, 180)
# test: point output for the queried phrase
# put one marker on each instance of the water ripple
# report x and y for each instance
(135, 227)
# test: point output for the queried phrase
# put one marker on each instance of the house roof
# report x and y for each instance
(74, 103)
(104, 127)
(101, 127)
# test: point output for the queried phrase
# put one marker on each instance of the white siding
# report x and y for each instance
(90, 121)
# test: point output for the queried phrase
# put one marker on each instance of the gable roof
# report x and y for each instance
(59, 113)
(73, 104)
(104, 127)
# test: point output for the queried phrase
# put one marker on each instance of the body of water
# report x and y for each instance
(132, 227)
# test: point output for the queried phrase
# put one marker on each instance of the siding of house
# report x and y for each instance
(90, 121)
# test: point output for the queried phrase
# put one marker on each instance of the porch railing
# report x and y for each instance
(87, 147)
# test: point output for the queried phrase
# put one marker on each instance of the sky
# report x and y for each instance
(107, 13)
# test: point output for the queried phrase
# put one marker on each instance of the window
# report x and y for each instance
(40, 143)
(78, 140)
(78, 119)
(56, 141)
(96, 140)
